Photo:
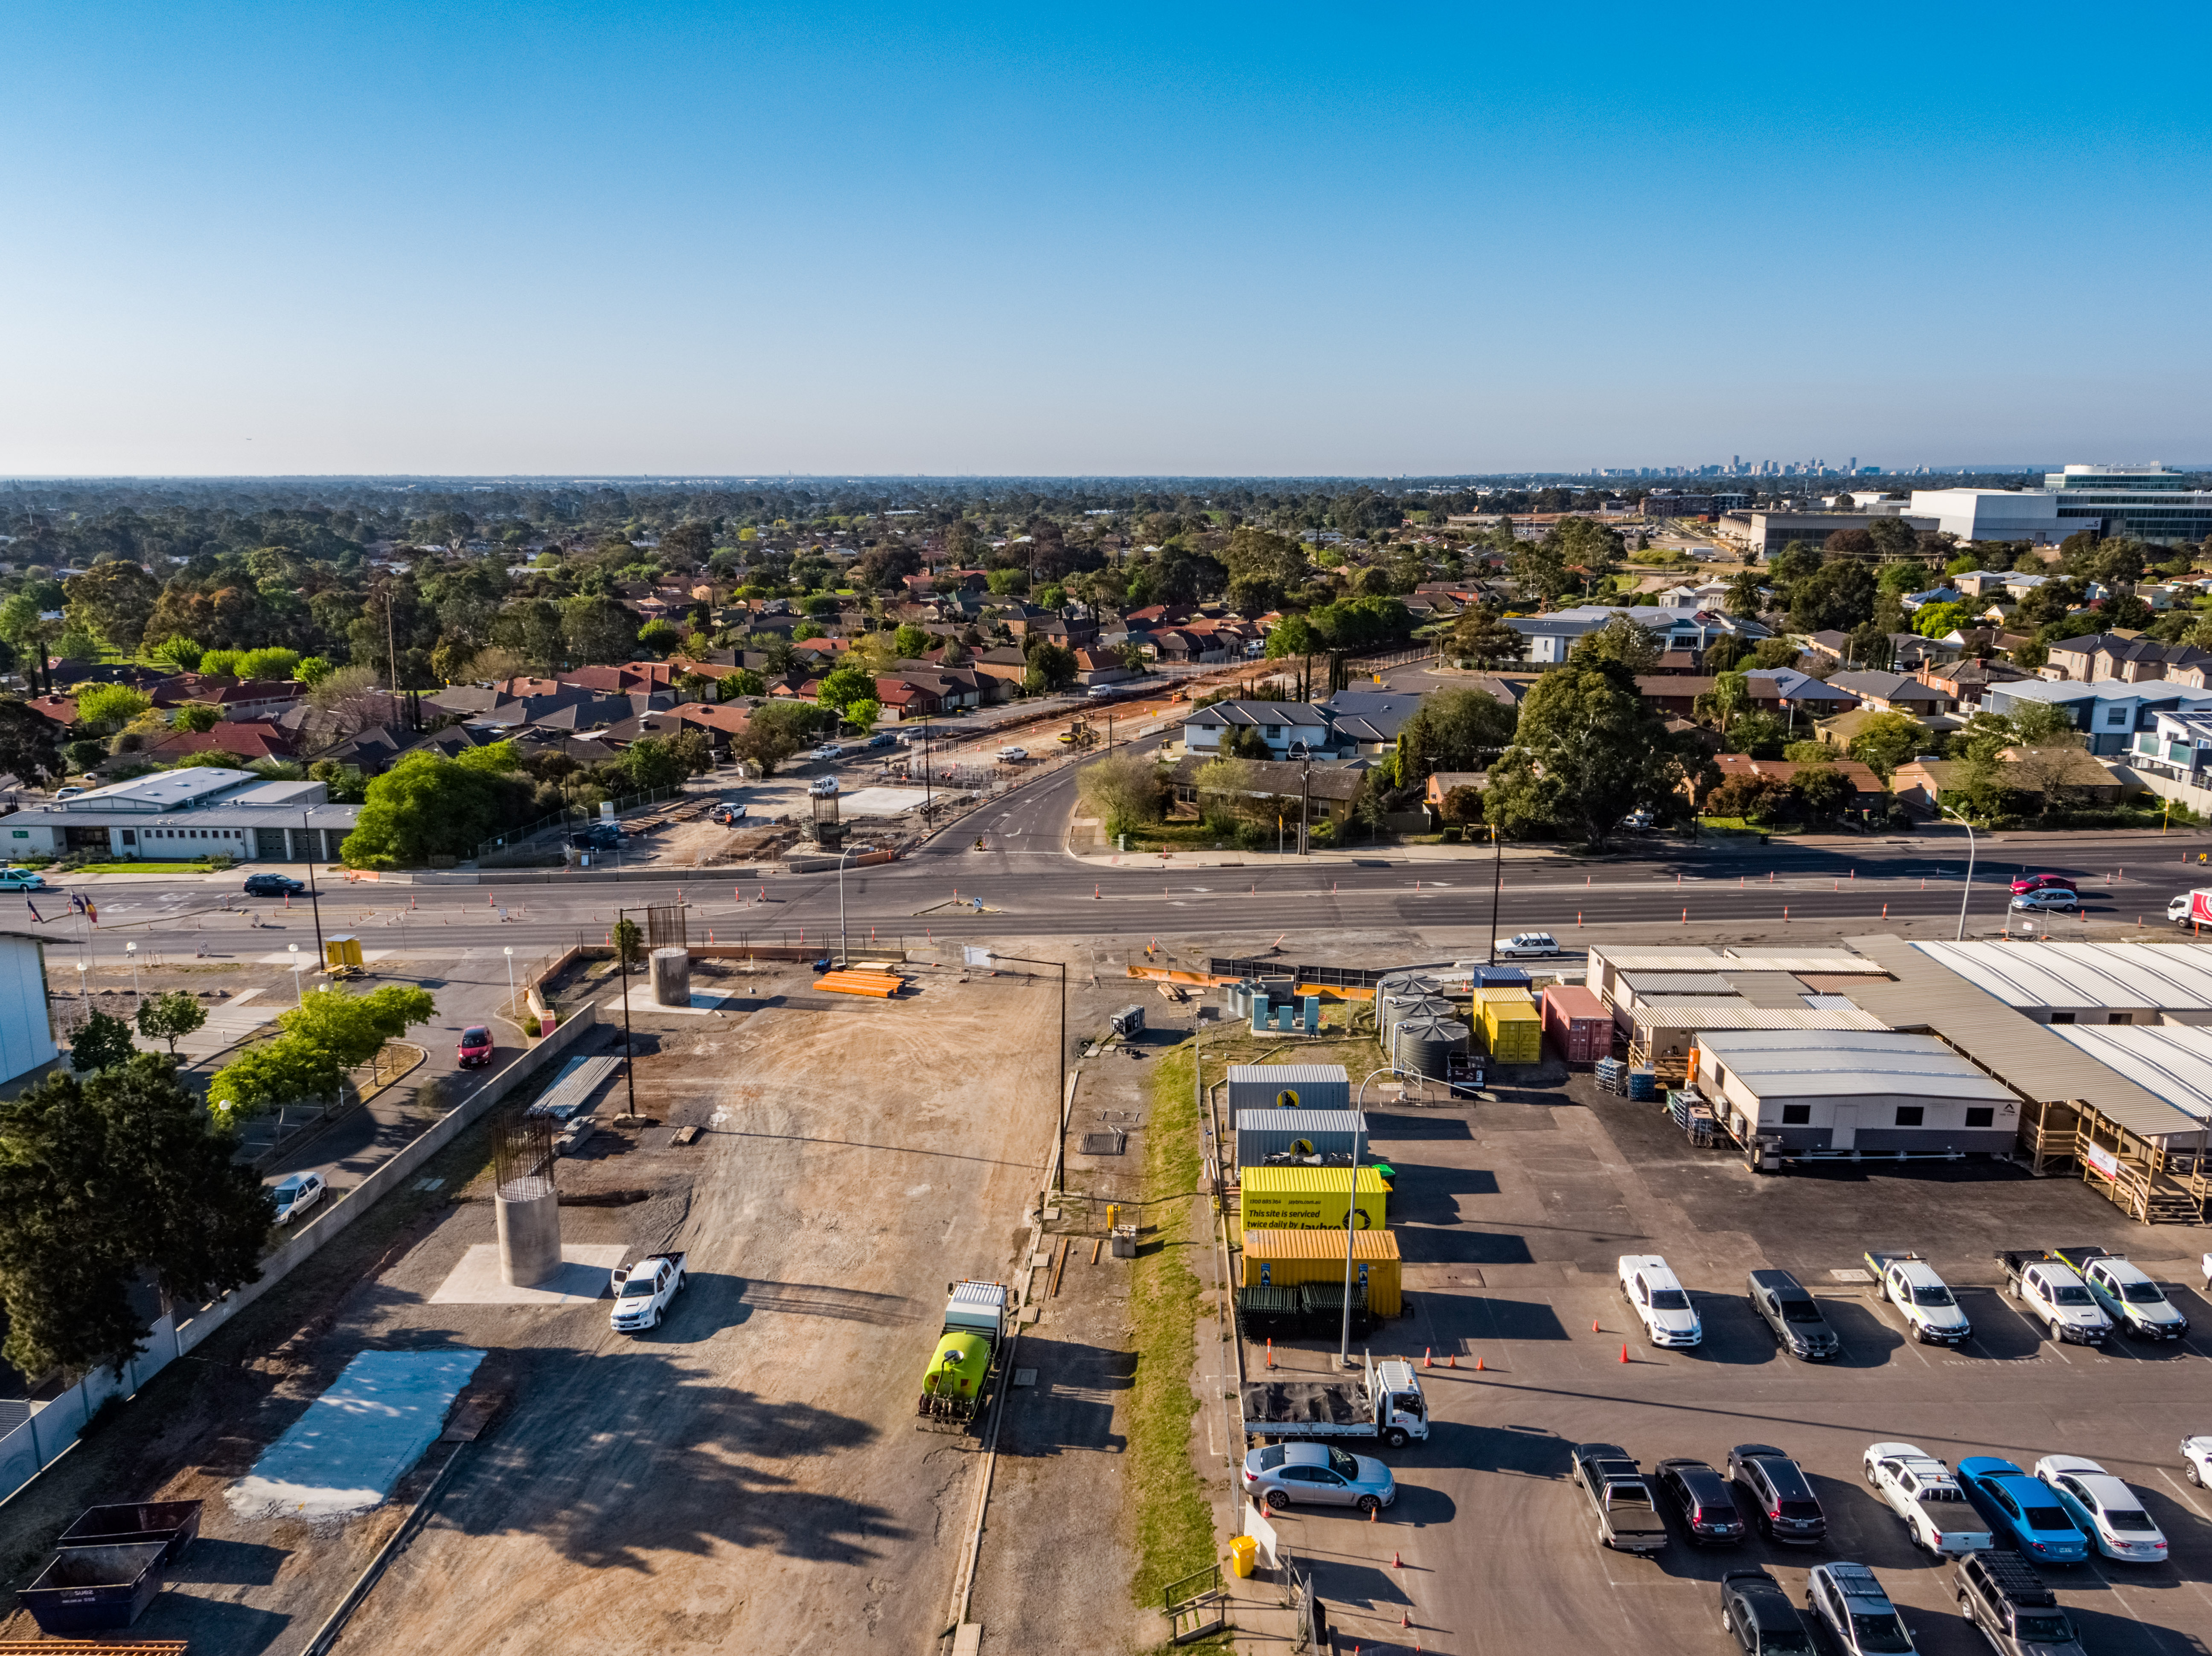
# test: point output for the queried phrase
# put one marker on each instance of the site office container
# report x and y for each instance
(1264, 1133)
(1289, 1086)
(1291, 1259)
(1309, 1198)
(1512, 1028)
(1579, 1024)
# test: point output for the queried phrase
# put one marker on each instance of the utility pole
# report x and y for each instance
(315, 897)
(1496, 887)
(629, 1054)
(1058, 1099)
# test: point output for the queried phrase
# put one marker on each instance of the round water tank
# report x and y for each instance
(1398, 1008)
(1420, 1045)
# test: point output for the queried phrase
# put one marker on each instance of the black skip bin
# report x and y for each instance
(173, 1523)
(87, 1589)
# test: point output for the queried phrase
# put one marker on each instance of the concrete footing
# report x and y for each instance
(671, 976)
(529, 1233)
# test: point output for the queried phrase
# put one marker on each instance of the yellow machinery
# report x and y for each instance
(342, 957)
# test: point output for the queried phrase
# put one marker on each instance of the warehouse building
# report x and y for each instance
(2087, 983)
(1854, 1091)
(181, 815)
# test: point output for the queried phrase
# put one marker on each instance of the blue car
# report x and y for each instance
(2024, 1509)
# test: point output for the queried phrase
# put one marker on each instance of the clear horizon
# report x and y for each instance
(785, 241)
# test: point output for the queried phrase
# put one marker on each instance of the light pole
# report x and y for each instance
(1496, 887)
(1061, 1161)
(83, 994)
(298, 997)
(131, 950)
(1352, 1211)
(1969, 891)
(315, 897)
(509, 952)
(844, 942)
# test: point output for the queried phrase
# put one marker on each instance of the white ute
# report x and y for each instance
(2051, 1294)
(1923, 1492)
(1658, 1301)
(1922, 1298)
(2127, 1296)
(643, 1290)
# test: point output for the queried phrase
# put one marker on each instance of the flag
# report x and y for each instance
(92, 911)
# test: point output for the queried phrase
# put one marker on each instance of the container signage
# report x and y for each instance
(2104, 1161)
(1267, 1274)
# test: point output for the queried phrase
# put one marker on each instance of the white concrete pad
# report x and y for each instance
(583, 1277)
(345, 1453)
(641, 1004)
(881, 802)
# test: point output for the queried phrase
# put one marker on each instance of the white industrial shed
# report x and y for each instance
(2170, 1061)
(2093, 983)
(1860, 1091)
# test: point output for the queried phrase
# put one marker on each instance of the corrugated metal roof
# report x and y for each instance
(1302, 1180)
(1660, 960)
(1300, 1121)
(1677, 983)
(2171, 1060)
(1318, 1244)
(2169, 977)
(1794, 959)
(1289, 1075)
(1828, 1063)
(2027, 1056)
(1742, 1015)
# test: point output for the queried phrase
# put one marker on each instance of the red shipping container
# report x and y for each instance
(1576, 1022)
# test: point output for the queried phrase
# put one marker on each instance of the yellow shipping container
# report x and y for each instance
(1308, 1199)
(1285, 1258)
(1512, 1028)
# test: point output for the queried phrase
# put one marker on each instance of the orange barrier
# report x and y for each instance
(881, 985)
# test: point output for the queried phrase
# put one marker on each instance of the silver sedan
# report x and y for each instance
(1318, 1474)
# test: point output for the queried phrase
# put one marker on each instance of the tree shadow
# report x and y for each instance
(1071, 1406)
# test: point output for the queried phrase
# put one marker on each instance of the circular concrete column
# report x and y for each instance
(672, 977)
(528, 1212)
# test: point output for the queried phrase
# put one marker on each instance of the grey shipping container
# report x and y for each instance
(1129, 1021)
(1289, 1086)
(1263, 1133)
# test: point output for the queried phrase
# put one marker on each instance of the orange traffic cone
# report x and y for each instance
(1624, 1350)
(1428, 1356)
(1397, 1563)
(1477, 1365)
(1402, 1620)
(1451, 1360)
(1270, 1354)
(1593, 1325)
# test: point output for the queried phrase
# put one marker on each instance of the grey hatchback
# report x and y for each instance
(1318, 1474)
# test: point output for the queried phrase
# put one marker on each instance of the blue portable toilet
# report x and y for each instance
(1259, 1013)
(1313, 1015)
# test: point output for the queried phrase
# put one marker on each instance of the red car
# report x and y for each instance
(2028, 883)
(476, 1047)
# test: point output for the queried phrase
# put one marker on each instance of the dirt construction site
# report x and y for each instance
(749, 1475)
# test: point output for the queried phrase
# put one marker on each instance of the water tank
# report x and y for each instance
(1420, 1045)
(1398, 1008)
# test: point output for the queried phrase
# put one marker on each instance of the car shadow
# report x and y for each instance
(1868, 1341)
(1736, 1335)
(2000, 1332)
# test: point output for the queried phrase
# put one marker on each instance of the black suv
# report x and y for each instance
(1755, 1608)
(1707, 1504)
(1794, 1316)
(1787, 1509)
(2013, 1607)
(272, 885)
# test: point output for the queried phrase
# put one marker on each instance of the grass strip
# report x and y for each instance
(1174, 1521)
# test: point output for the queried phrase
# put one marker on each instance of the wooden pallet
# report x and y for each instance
(880, 984)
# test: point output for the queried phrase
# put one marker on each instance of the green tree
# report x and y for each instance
(102, 1182)
(428, 805)
(113, 600)
(629, 943)
(659, 637)
(776, 732)
(1224, 787)
(312, 671)
(1750, 799)
(910, 642)
(30, 745)
(1454, 731)
(1746, 593)
(108, 706)
(1052, 667)
(595, 630)
(743, 681)
(1888, 740)
(1727, 701)
(271, 662)
(1481, 635)
(1632, 648)
(651, 763)
(170, 1017)
(1820, 791)
(862, 712)
(221, 664)
(1586, 753)
(195, 716)
(1837, 597)
(100, 1043)
(24, 624)
(1759, 732)
(329, 1033)
(845, 685)
(1123, 790)
(1941, 620)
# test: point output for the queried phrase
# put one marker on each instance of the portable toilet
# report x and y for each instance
(341, 956)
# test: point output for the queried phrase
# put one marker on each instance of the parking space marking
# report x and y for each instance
(2176, 1485)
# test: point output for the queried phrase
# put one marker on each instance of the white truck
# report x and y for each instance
(1922, 1298)
(643, 1290)
(1658, 1301)
(1921, 1490)
(2191, 907)
(1385, 1403)
(2051, 1292)
(2126, 1294)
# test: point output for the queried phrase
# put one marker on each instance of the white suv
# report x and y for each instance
(1659, 1300)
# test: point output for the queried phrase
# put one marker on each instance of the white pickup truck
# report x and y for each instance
(643, 1290)
(2051, 1293)
(1658, 1301)
(1922, 1298)
(2126, 1294)
(1921, 1491)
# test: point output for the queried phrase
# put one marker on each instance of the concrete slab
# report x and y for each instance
(585, 1267)
(345, 1453)
(881, 802)
(641, 1004)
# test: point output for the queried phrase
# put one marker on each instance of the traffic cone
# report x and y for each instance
(1624, 1350)
(1402, 1622)
(1371, 1511)
(1428, 1356)
(1270, 1354)
(1593, 1325)
(1397, 1563)
(1451, 1360)
(1477, 1365)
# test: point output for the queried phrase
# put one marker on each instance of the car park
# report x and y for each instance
(1780, 1492)
(1850, 1603)
(1921, 1490)
(2028, 883)
(273, 885)
(1757, 1613)
(1793, 1317)
(1658, 1301)
(1702, 1496)
(297, 1193)
(22, 879)
(475, 1050)
(2050, 899)
(2013, 1607)
(1280, 1475)
(1528, 945)
(2125, 1292)
(2023, 1511)
(2104, 1509)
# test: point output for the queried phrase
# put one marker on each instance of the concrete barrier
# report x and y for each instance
(34, 1446)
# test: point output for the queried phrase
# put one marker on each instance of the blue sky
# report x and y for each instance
(439, 239)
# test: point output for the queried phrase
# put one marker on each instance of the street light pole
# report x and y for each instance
(629, 1055)
(509, 952)
(315, 897)
(1351, 1212)
(844, 939)
(298, 997)
(131, 949)
(1969, 891)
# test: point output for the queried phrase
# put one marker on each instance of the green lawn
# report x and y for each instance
(144, 868)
